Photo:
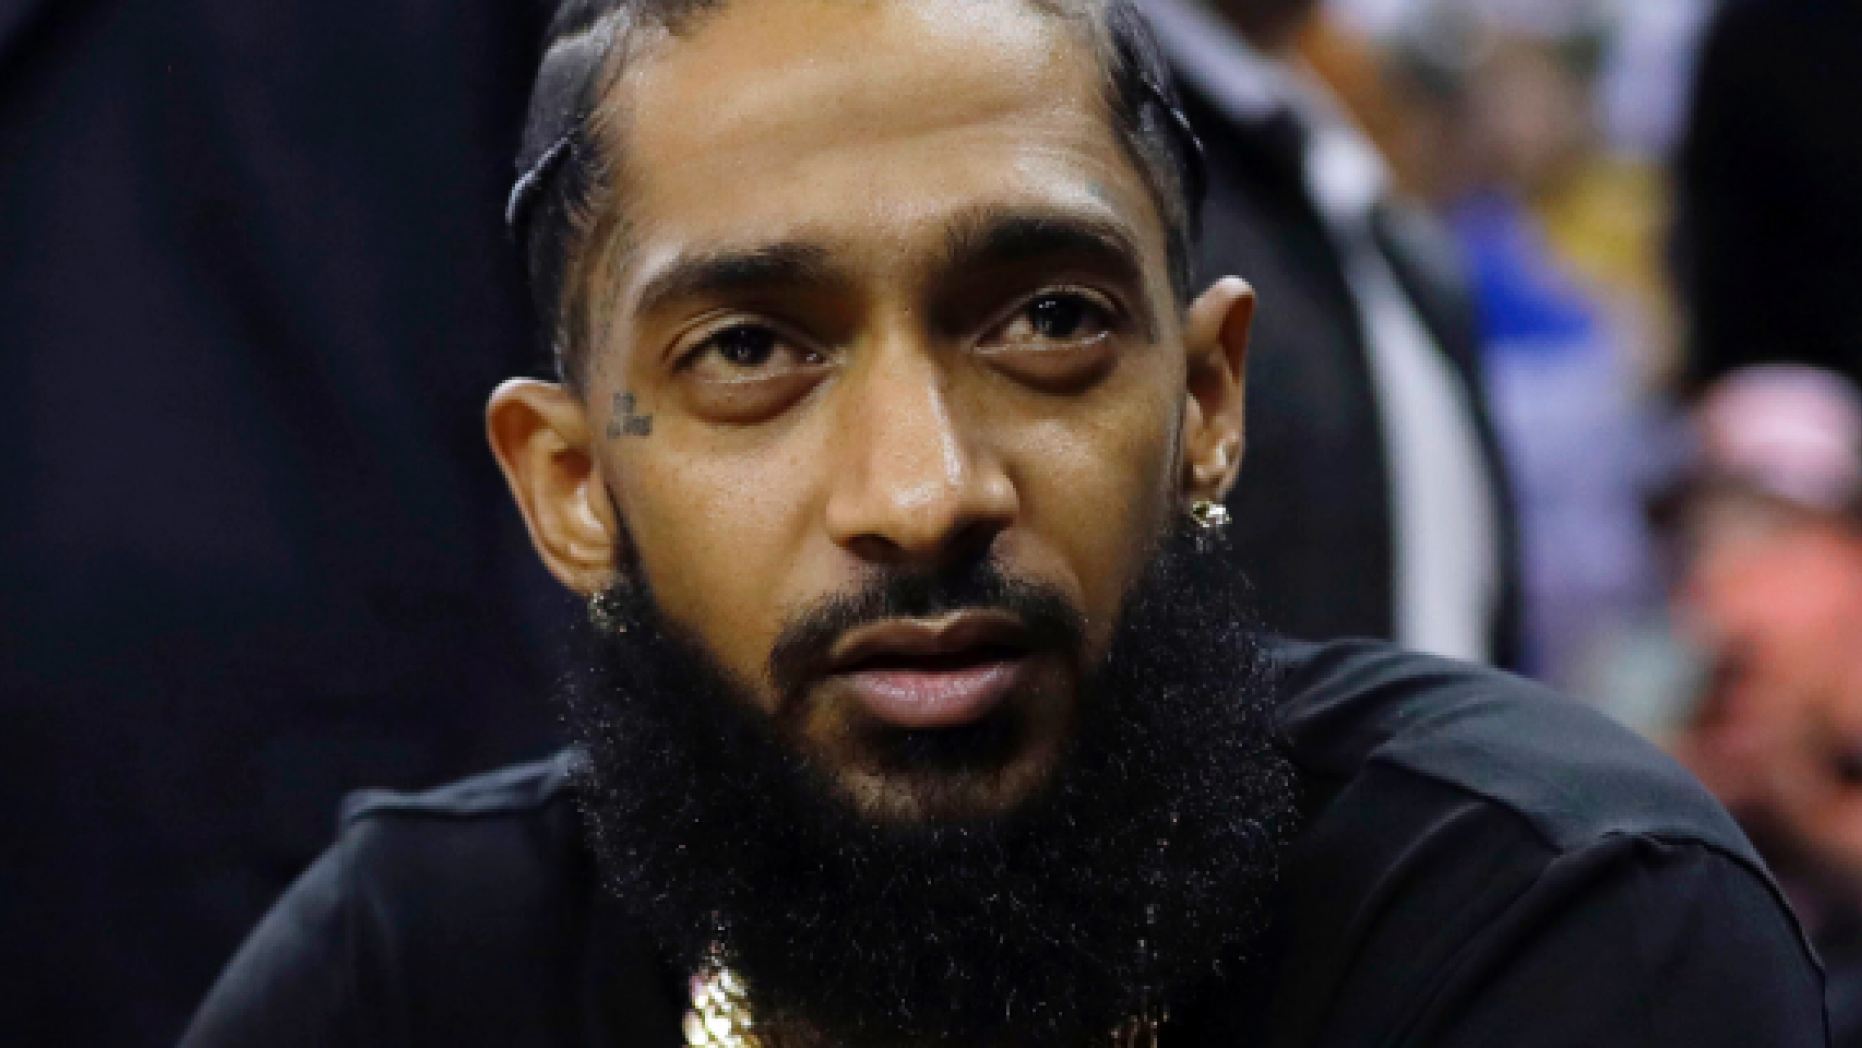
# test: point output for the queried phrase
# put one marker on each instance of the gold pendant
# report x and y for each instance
(720, 1012)
(720, 1016)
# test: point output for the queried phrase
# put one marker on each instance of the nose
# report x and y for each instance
(914, 483)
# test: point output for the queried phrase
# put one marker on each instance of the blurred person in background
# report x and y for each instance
(253, 554)
(1769, 538)
(1561, 236)
(1374, 502)
(1647, 77)
(1770, 241)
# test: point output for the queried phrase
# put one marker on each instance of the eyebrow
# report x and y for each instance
(998, 234)
(993, 236)
(981, 239)
(721, 273)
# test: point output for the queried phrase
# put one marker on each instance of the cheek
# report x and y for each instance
(1096, 487)
(730, 532)
(719, 537)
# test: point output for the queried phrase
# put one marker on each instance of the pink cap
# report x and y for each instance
(1791, 431)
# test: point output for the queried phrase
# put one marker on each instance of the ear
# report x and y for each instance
(539, 432)
(1215, 340)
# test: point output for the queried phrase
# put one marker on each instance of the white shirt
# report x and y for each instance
(1443, 515)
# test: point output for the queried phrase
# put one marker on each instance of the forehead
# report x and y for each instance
(867, 123)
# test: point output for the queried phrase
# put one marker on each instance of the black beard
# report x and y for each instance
(1145, 864)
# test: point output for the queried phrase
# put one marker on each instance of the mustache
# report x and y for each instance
(801, 651)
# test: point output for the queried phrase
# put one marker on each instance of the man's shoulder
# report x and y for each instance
(457, 912)
(517, 792)
(504, 840)
(1472, 846)
(428, 876)
(1570, 774)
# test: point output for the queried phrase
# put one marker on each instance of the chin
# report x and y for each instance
(912, 796)
(979, 770)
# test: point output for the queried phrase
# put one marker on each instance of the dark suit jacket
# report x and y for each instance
(1312, 510)
(254, 292)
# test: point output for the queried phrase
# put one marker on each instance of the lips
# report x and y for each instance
(933, 673)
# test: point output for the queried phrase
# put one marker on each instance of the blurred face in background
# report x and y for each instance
(1773, 595)
(1529, 115)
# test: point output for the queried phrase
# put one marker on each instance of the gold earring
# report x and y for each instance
(1209, 514)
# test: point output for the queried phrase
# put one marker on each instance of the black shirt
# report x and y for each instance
(1482, 863)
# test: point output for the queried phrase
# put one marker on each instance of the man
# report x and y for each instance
(1374, 503)
(1771, 593)
(888, 453)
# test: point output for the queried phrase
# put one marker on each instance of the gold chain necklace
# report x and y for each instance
(720, 1017)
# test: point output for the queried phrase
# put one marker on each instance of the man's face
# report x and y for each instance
(890, 300)
(1775, 596)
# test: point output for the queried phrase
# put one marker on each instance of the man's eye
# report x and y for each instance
(1059, 341)
(1058, 317)
(743, 350)
(745, 346)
